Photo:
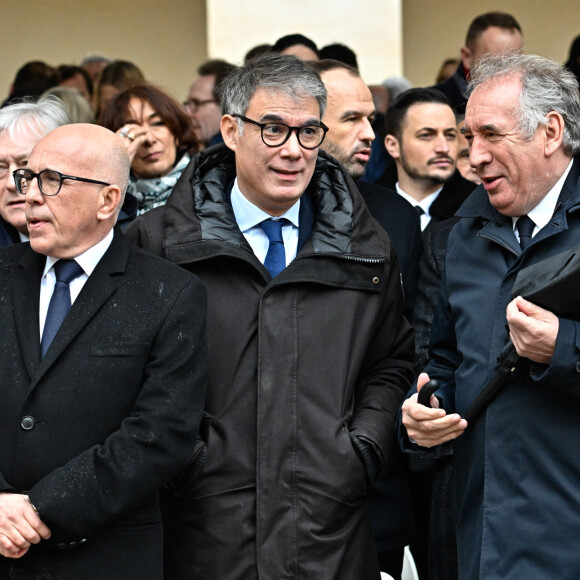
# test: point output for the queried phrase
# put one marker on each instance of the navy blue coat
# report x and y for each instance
(517, 468)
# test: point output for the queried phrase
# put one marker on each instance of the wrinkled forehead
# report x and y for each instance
(495, 99)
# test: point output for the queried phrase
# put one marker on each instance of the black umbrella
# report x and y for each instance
(552, 284)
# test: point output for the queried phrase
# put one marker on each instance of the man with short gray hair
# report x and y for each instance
(516, 466)
(309, 349)
(22, 125)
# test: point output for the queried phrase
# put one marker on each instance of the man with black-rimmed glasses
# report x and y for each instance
(309, 350)
(102, 372)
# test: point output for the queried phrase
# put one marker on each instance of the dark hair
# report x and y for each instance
(339, 52)
(66, 71)
(33, 78)
(328, 64)
(487, 20)
(218, 68)
(121, 74)
(292, 40)
(397, 111)
(573, 62)
(256, 51)
(116, 113)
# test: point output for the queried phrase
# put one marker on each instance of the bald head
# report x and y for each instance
(95, 145)
(84, 210)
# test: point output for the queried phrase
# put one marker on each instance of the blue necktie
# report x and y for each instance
(525, 227)
(275, 260)
(66, 271)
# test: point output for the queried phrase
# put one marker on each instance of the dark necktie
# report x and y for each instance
(275, 260)
(420, 211)
(66, 271)
(525, 227)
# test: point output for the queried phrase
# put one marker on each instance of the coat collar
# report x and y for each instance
(197, 211)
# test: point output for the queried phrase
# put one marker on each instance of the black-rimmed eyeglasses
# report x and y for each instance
(275, 134)
(49, 181)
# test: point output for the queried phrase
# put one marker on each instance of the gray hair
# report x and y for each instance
(276, 73)
(546, 86)
(38, 118)
(77, 107)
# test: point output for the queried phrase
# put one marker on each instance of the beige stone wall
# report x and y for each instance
(372, 29)
(166, 39)
(434, 30)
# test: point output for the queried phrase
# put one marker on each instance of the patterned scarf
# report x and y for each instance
(154, 192)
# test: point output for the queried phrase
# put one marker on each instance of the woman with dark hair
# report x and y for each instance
(159, 139)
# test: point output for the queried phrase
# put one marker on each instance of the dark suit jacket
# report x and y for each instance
(453, 194)
(110, 414)
(455, 88)
(400, 220)
(8, 234)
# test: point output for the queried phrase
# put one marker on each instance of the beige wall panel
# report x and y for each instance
(372, 31)
(434, 30)
(166, 39)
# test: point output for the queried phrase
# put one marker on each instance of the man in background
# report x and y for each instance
(493, 32)
(22, 125)
(203, 101)
(422, 139)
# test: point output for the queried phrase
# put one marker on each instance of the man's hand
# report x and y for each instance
(533, 330)
(430, 426)
(20, 525)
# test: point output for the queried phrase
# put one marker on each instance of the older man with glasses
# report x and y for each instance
(102, 372)
(308, 346)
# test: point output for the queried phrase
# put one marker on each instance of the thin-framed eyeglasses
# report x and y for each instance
(49, 180)
(275, 134)
(194, 104)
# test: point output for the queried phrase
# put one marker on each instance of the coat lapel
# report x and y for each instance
(25, 290)
(100, 285)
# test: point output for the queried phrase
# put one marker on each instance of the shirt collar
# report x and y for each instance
(424, 204)
(89, 259)
(542, 213)
(249, 216)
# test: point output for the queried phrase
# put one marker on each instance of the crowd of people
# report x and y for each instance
(219, 316)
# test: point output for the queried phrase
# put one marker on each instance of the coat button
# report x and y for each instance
(376, 280)
(27, 423)
(578, 367)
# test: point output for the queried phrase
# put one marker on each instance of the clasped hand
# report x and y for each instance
(20, 525)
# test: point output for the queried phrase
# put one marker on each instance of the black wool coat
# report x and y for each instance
(108, 416)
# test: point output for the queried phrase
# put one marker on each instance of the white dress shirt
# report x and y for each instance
(87, 261)
(542, 213)
(424, 204)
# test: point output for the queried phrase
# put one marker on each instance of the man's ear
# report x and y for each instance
(554, 133)
(392, 146)
(108, 201)
(466, 58)
(229, 129)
